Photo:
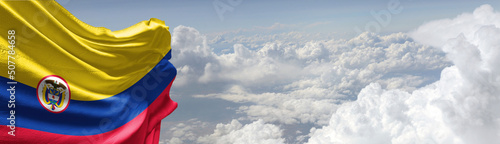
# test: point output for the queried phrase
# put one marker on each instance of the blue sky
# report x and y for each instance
(297, 71)
(337, 16)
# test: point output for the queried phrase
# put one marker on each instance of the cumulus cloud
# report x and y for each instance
(301, 83)
(462, 107)
(257, 132)
(436, 33)
(260, 39)
(290, 83)
(298, 82)
(191, 54)
(184, 132)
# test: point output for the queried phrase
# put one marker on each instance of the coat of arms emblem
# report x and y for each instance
(53, 93)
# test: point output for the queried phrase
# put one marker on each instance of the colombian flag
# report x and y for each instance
(63, 81)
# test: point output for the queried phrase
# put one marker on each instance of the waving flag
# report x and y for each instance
(63, 81)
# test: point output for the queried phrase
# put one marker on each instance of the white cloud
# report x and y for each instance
(192, 55)
(303, 82)
(260, 39)
(462, 107)
(436, 33)
(300, 82)
(184, 132)
(257, 132)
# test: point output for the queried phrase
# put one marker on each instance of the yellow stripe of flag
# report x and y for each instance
(97, 63)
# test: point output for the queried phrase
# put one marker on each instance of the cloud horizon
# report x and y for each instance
(415, 87)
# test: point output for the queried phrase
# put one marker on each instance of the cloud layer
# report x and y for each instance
(235, 133)
(294, 83)
(462, 107)
(284, 84)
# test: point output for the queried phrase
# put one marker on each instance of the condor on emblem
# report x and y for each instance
(53, 93)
